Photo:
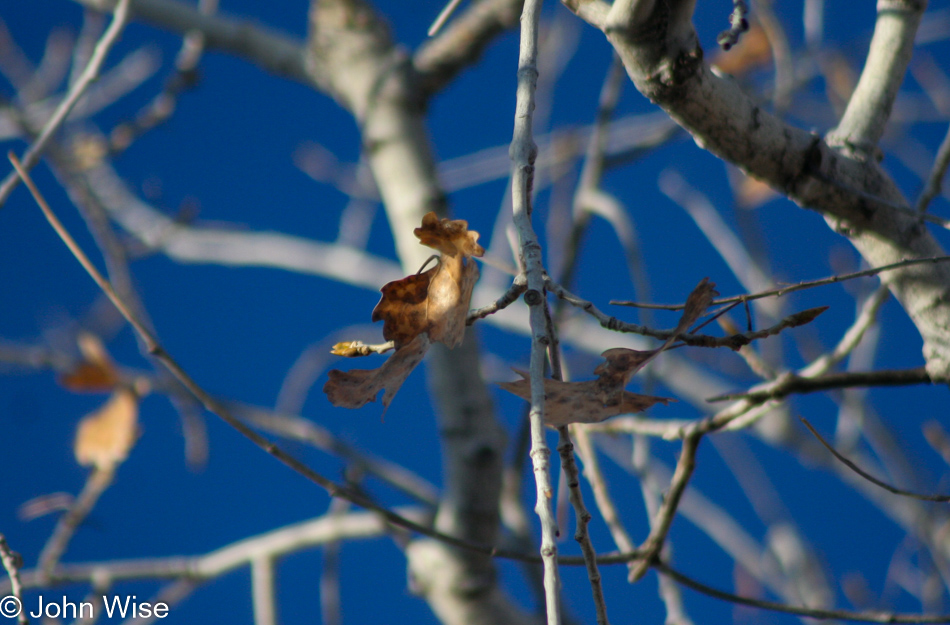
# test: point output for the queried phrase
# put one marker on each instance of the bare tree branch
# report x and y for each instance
(12, 563)
(937, 172)
(664, 520)
(438, 61)
(830, 381)
(868, 476)
(96, 484)
(870, 106)
(89, 74)
(844, 615)
(523, 153)
(274, 52)
(282, 541)
(795, 287)
(662, 57)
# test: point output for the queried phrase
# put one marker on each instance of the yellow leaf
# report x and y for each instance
(105, 437)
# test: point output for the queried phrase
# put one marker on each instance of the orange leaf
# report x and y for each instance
(105, 437)
(357, 387)
(95, 373)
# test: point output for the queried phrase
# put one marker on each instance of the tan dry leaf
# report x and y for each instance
(96, 373)
(430, 306)
(590, 401)
(753, 50)
(752, 193)
(357, 387)
(105, 437)
(436, 301)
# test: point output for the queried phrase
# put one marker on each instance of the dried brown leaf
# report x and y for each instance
(357, 387)
(435, 301)
(105, 437)
(450, 236)
(403, 308)
(582, 402)
(430, 306)
(621, 364)
(696, 304)
(95, 373)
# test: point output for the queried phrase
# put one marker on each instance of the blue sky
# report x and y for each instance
(228, 152)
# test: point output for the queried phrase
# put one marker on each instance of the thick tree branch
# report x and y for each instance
(274, 52)
(523, 153)
(89, 74)
(870, 105)
(666, 64)
(352, 57)
(440, 59)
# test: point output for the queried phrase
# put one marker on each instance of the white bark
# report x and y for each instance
(838, 177)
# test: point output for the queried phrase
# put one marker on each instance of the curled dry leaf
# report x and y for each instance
(95, 373)
(105, 437)
(435, 301)
(429, 306)
(696, 304)
(357, 387)
(593, 401)
(590, 401)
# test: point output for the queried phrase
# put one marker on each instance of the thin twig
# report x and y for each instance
(844, 615)
(262, 590)
(440, 59)
(518, 286)
(565, 450)
(599, 485)
(218, 408)
(851, 465)
(443, 16)
(89, 74)
(664, 519)
(96, 484)
(330, 608)
(523, 154)
(882, 202)
(296, 428)
(781, 54)
(935, 179)
(592, 172)
(355, 349)
(275, 543)
(581, 534)
(795, 384)
(734, 341)
(797, 287)
(738, 24)
(11, 563)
